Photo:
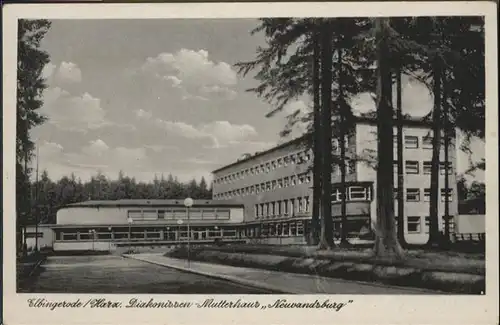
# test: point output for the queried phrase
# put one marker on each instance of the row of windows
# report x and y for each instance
(179, 233)
(354, 193)
(412, 141)
(414, 224)
(294, 158)
(180, 213)
(279, 229)
(413, 167)
(413, 194)
(284, 182)
(283, 208)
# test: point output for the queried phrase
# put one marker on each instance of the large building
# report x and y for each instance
(106, 225)
(275, 186)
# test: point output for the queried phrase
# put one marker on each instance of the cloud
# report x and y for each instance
(225, 131)
(142, 114)
(68, 72)
(96, 148)
(180, 129)
(194, 72)
(75, 113)
(66, 110)
(48, 70)
(222, 92)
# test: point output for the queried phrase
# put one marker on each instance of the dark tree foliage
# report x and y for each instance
(31, 61)
(54, 194)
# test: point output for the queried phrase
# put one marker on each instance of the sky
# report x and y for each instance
(152, 97)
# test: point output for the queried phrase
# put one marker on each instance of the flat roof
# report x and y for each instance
(371, 120)
(152, 203)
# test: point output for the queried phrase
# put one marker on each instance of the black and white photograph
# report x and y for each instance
(265, 155)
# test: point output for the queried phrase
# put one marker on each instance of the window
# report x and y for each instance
(336, 195)
(301, 179)
(286, 161)
(307, 156)
(179, 213)
(280, 183)
(446, 192)
(278, 208)
(135, 214)
(268, 167)
(161, 213)
(268, 186)
(286, 182)
(280, 162)
(293, 159)
(427, 167)
(294, 180)
(195, 213)
(412, 167)
(413, 195)
(285, 206)
(396, 193)
(308, 178)
(301, 205)
(271, 208)
(307, 204)
(300, 228)
(223, 213)
(443, 168)
(427, 224)
(411, 142)
(413, 225)
(358, 193)
(292, 206)
(275, 184)
(427, 194)
(274, 164)
(427, 142)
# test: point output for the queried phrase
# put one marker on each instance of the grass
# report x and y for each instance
(431, 270)
(444, 261)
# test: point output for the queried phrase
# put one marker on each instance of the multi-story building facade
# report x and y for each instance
(275, 186)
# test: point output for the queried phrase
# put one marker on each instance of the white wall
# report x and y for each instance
(83, 246)
(46, 240)
(366, 144)
(470, 224)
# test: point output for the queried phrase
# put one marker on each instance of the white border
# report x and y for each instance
(365, 309)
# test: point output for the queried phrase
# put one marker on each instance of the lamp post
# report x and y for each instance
(110, 237)
(188, 203)
(130, 221)
(92, 234)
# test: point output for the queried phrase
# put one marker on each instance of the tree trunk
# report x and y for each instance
(342, 144)
(317, 147)
(433, 240)
(386, 243)
(446, 161)
(326, 113)
(401, 181)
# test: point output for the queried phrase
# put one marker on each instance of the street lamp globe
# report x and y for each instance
(180, 222)
(188, 202)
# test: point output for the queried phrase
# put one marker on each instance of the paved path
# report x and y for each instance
(277, 281)
(115, 274)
